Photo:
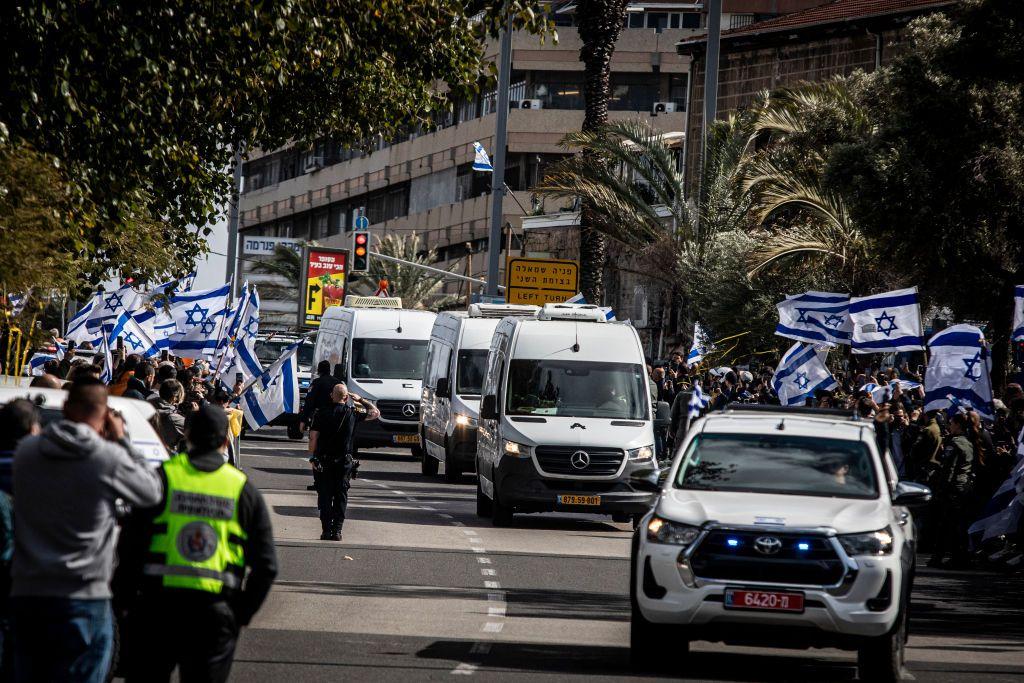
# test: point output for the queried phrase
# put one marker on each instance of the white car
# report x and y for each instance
(777, 527)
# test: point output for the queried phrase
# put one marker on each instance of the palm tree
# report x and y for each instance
(287, 264)
(417, 288)
(599, 23)
(801, 216)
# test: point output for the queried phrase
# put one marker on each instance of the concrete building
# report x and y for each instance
(424, 182)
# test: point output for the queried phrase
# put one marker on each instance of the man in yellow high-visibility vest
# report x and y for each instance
(204, 559)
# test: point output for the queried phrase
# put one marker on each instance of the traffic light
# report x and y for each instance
(360, 251)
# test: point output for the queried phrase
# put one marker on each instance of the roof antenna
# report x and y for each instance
(399, 328)
(576, 346)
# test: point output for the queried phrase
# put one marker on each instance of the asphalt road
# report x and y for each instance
(422, 589)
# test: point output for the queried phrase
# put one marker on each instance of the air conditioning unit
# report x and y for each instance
(528, 104)
(355, 301)
(663, 108)
(502, 310)
(579, 312)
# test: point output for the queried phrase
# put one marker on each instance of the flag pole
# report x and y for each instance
(231, 340)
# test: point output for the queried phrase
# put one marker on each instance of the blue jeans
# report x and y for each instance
(60, 639)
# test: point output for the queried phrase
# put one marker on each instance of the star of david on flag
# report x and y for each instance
(199, 318)
(815, 317)
(958, 370)
(136, 338)
(886, 322)
(801, 372)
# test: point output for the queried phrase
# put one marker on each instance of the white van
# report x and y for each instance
(565, 417)
(379, 352)
(456, 362)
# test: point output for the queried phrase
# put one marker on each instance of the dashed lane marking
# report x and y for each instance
(464, 669)
(492, 584)
(493, 627)
(487, 572)
(483, 560)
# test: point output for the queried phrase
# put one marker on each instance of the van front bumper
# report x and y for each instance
(518, 484)
(381, 434)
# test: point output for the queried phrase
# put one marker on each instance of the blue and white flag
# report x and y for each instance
(78, 329)
(801, 372)
(176, 286)
(578, 298)
(882, 393)
(274, 392)
(885, 322)
(698, 402)
(1018, 313)
(107, 376)
(815, 317)
(1002, 514)
(701, 346)
(239, 345)
(958, 368)
(37, 361)
(200, 319)
(481, 162)
(136, 338)
(109, 305)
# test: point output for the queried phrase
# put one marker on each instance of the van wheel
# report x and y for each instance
(882, 658)
(428, 463)
(483, 503)
(501, 515)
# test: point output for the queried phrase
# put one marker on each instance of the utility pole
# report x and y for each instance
(500, 142)
(232, 252)
(710, 89)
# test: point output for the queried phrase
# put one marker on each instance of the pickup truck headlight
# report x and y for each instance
(673, 533)
(517, 450)
(871, 543)
(465, 420)
(642, 453)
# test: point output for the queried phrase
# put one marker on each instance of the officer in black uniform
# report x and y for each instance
(330, 451)
(318, 396)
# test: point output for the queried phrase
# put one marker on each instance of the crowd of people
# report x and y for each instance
(94, 540)
(962, 458)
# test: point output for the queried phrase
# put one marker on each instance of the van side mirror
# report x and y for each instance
(339, 372)
(444, 389)
(489, 407)
(910, 494)
(648, 481)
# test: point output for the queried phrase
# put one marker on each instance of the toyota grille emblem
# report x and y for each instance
(767, 545)
(580, 460)
(409, 410)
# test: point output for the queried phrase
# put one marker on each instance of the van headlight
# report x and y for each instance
(642, 453)
(871, 543)
(517, 450)
(661, 530)
(465, 421)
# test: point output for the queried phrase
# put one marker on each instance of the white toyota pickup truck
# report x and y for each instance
(780, 527)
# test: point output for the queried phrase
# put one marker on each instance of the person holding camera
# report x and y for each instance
(331, 445)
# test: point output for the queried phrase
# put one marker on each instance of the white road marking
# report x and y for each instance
(475, 549)
(464, 669)
(488, 572)
(496, 611)
(483, 560)
(398, 493)
(474, 539)
(492, 584)
(480, 648)
(493, 627)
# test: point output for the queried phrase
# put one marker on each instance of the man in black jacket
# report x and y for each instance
(197, 567)
(330, 451)
(319, 394)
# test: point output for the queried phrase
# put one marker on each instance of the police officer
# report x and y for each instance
(191, 554)
(330, 449)
(318, 396)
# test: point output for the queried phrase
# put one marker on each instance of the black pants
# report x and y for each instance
(951, 529)
(197, 636)
(332, 484)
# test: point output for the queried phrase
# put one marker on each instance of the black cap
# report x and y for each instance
(206, 428)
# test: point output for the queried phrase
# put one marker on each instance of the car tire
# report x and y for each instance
(428, 463)
(501, 514)
(484, 506)
(883, 658)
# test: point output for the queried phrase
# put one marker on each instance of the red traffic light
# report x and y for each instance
(361, 238)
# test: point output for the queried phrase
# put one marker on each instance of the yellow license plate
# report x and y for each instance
(579, 500)
(406, 438)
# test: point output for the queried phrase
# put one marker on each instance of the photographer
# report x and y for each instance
(330, 449)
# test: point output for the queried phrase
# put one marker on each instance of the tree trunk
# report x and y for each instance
(599, 23)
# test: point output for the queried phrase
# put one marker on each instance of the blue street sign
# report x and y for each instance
(361, 223)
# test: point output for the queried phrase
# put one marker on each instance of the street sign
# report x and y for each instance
(324, 284)
(265, 246)
(540, 281)
(361, 222)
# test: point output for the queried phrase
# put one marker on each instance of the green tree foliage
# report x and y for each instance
(142, 104)
(939, 184)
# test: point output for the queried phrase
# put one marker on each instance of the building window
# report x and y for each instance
(678, 90)
(740, 20)
(673, 20)
(691, 20)
(657, 20)
(633, 91)
(469, 183)
(558, 89)
(636, 19)
(320, 226)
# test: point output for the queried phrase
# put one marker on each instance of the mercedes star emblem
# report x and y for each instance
(409, 410)
(767, 545)
(580, 460)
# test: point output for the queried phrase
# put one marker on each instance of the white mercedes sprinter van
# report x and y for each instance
(565, 417)
(379, 352)
(456, 362)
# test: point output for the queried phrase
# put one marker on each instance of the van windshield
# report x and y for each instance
(778, 463)
(471, 369)
(388, 358)
(577, 389)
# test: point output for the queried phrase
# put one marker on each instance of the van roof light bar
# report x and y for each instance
(501, 310)
(355, 301)
(577, 312)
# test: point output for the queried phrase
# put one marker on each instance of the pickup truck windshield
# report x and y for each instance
(778, 463)
(388, 358)
(577, 389)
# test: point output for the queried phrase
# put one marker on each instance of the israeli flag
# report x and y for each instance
(801, 372)
(78, 329)
(177, 285)
(107, 376)
(109, 305)
(958, 368)
(698, 402)
(481, 162)
(701, 346)
(1002, 514)
(136, 338)
(887, 322)
(199, 319)
(274, 392)
(1018, 313)
(239, 346)
(882, 393)
(578, 299)
(815, 317)
(37, 361)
